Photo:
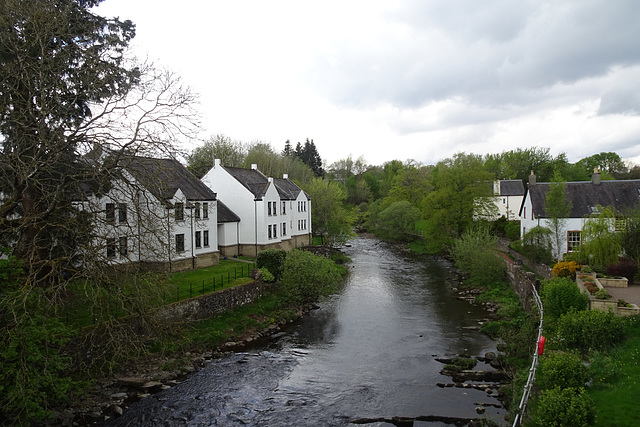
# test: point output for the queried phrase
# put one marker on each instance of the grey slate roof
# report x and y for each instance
(511, 187)
(225, 214)
(163, 177)
(252, 179)
(584, 196)
(286, 189)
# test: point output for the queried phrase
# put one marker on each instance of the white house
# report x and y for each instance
(156, 213)
(585, 197)
(273, 213)
(508, 197)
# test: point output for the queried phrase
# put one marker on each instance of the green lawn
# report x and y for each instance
(616, 390)
(174, 287)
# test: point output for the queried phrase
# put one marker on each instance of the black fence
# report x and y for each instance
(180, 292)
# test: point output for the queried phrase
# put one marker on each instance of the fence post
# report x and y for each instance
(190, 290)
(214, 284)
(202, 286)
(178, 293)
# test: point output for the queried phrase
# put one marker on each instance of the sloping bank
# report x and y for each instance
(196, 330)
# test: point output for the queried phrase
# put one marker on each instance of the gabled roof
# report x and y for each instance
(585, 196)
(287, 189)
(252, 179)
(511, 187)
(163, 177)
(225, 214)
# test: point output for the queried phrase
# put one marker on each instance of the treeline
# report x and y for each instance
(398, 199)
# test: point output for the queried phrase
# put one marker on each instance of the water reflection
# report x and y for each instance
(366, 353)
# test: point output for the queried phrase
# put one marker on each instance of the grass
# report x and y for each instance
(174, 287)
(616, 389)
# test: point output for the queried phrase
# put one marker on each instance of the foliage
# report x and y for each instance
(557, 209)
(625, 268)
(330, 218)
(308, 154)
(563, 370)
(630, 238)
(504, 228)
(459, 185)
(561, 295)
(536, 245)
(273, 260)
(398, 222)
(275, 165)
(308, 277)
(590, 330)
(565, 269)
(267, 276)
(474, 253)
(558, 407)
(517, 164)
(602, 294)
(231, 153)
(600, 243)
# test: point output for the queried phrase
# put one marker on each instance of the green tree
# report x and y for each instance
(275, 165)
(475, 253)
(410, 184)
(398, 222)
(231, 153)
(609, 164)
(309, 155)
(68, 91)
(557, 209)
(330, 219)
(459, 184)
(630, 238)
(308, 277)
(600, 242)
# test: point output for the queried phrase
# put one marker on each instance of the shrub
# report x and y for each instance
(474, 253)
(625, 268)
(602, 294)
(273, 260)
(307, 277)
(565, 269)
(267, 276)
(536, 245)
(586, 269)
(590, 330)
(564, 407)
(562, 369)
(561, 295)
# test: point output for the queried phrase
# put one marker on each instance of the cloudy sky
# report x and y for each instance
(405, 79)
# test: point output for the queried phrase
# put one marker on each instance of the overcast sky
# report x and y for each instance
(402, 79)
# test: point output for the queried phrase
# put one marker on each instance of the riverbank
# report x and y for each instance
(171, 360)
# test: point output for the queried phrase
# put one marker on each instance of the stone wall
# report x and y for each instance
(212, 304)
(522, 282)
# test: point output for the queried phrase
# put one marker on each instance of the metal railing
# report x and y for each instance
(534, 364)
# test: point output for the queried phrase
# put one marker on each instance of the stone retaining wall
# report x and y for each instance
(212, 304)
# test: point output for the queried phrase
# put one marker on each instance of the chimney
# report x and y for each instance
(254, 166)
(532, 178)
(216, 163)
(595, 177)
(285, 176)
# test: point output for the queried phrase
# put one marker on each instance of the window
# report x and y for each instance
(198, 239)
(122, 213)
(205, 210)
(524, 213)
(179, 242)
(573, 240)
(205, 238)
(284, 208)
(621, 224)
(179, 211)
(275, 230)
(270, 232)
(111, 248)
(111, 212)
(269, 208)
(197, 211)
(123, 247)
(284, 228)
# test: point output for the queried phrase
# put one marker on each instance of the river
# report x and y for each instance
(368, 353)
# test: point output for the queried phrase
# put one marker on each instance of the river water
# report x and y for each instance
(367, 353)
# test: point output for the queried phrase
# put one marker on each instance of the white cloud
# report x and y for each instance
(406, 79)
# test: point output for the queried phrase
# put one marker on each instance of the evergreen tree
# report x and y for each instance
(288, 151)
